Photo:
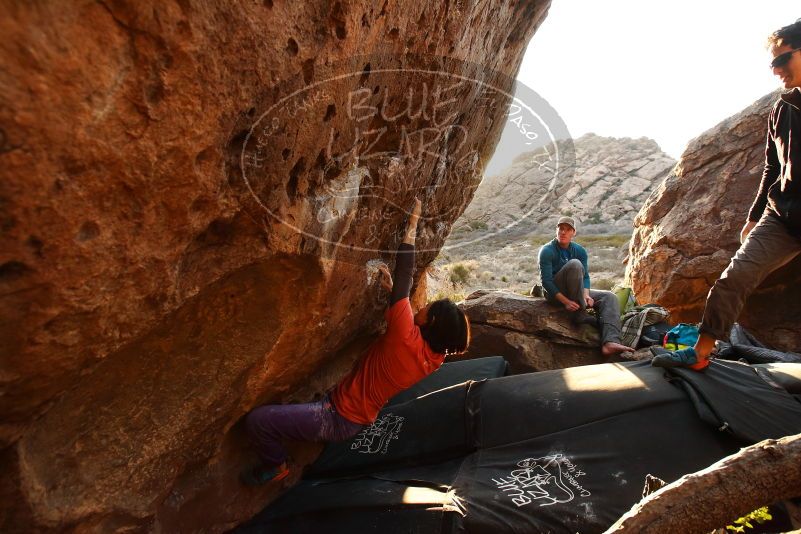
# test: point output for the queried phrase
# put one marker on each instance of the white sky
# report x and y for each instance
(664, 70)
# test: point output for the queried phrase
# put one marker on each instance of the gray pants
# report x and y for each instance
(570, 281)
(769, 246)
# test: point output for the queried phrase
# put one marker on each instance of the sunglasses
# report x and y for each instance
(782, 59)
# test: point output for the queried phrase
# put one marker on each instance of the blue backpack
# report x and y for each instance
(681, 336)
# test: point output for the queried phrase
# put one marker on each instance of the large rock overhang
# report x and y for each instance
(171, 256)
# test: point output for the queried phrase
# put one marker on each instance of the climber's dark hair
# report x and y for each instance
(447, 330)
(788, 35)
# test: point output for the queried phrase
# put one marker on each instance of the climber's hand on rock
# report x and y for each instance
(572, 306)
(384, 277)
(418, 207)
(411, 227)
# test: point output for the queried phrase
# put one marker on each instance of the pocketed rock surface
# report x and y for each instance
(191, 198)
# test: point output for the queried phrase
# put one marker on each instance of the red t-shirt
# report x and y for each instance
(397, 360)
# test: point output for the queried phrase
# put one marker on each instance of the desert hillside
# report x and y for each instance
(495, 242)
(602, 181)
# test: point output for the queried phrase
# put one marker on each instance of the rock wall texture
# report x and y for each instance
(689, 228)
(603, 186)
(530, 333)
(192, 195)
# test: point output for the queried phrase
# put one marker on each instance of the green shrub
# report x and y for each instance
(760, 515)
(604, 284)
(603, 240)
(455, 296)
(593, 218)
(539, 240)
(459, 274)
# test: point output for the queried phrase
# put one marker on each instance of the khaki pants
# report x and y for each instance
(570, 281)
(769, 246)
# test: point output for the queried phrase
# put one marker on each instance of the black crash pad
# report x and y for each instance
(555, 451)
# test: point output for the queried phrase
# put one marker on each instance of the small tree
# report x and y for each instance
(459, 274)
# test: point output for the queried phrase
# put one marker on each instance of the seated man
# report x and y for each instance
(566, 281)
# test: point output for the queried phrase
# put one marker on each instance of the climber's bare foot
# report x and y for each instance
(611, 349)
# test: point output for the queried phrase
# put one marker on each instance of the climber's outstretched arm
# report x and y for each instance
(404, 261)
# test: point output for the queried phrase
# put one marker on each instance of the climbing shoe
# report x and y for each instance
(582, 317)
(677, 358)
(260, 475)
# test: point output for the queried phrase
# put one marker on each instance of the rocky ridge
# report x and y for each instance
(603, 186)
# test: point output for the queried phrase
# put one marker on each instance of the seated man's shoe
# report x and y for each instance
(582, 317)
(678, 358)
(537, 291)
(260, 475)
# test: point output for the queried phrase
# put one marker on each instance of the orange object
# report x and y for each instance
(281, 476)
(396, 360)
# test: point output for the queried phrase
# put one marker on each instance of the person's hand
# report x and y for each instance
(749, 225)
(590, 301)
(418, 207)
(572, 306)
(384, 277)
(411, 226)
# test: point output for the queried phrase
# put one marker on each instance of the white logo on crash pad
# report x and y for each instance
(377, 437)
(546, 481)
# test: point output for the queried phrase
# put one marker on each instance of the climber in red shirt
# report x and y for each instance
(412, 347)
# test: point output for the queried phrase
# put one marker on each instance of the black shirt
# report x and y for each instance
(780, 189)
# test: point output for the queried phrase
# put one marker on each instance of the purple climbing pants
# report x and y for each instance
(317, 421)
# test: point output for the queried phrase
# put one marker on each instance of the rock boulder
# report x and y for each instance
(530, 333)
(688, 229)
(193, 200)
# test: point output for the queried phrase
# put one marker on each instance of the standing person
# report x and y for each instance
(771, 236)
(412, 347)
(565, 278)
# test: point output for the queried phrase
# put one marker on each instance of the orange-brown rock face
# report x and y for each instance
(689, 228)
(194, 197)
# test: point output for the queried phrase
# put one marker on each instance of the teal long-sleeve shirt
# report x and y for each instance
(552, 258)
